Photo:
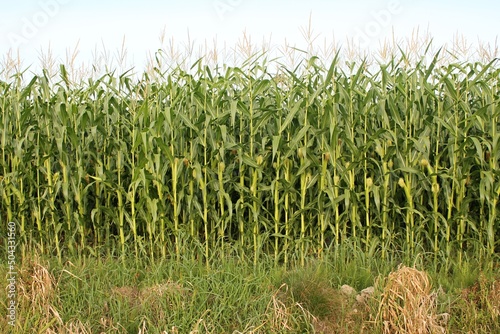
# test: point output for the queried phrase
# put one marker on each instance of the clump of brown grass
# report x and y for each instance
(484, 295)
(162, 289)
(281, 314)
(334, 311)
(37, 285)
(494, 296)
(72, 327)
(37, 291)
(139, 296)
(154, 300)
(408, 305)
(131, 294)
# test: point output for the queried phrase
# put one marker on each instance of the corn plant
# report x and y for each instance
(244, 161)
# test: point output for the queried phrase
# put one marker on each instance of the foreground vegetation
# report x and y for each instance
(104, 296)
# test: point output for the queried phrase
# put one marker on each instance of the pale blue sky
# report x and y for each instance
(32, 25)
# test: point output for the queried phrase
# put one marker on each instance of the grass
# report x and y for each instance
(103, 295)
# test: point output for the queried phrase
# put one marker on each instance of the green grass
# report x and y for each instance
(110, 296)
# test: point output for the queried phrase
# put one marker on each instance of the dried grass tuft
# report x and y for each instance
(38, 292)
(408, 305)
(281, 314)
(484, 295)
(494, 297)
(37, 285)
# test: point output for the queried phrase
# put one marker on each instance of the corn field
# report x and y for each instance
(244, 162)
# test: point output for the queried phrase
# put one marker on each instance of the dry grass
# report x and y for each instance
(281, 313)
(408, 305)
(404, 303)
(484, 296)
(73, 327)
(37, 289)
(483, 299)
(494, 296)
(145, 296)
(37, 285)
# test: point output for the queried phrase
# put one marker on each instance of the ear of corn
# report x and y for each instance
(241, 159)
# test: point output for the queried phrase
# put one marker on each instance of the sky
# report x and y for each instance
(32, 28)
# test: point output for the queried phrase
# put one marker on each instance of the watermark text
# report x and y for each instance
(11, 274)
(223, 7)
(379, 19)
(32, 24)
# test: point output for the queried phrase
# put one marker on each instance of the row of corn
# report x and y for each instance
(202, 162)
